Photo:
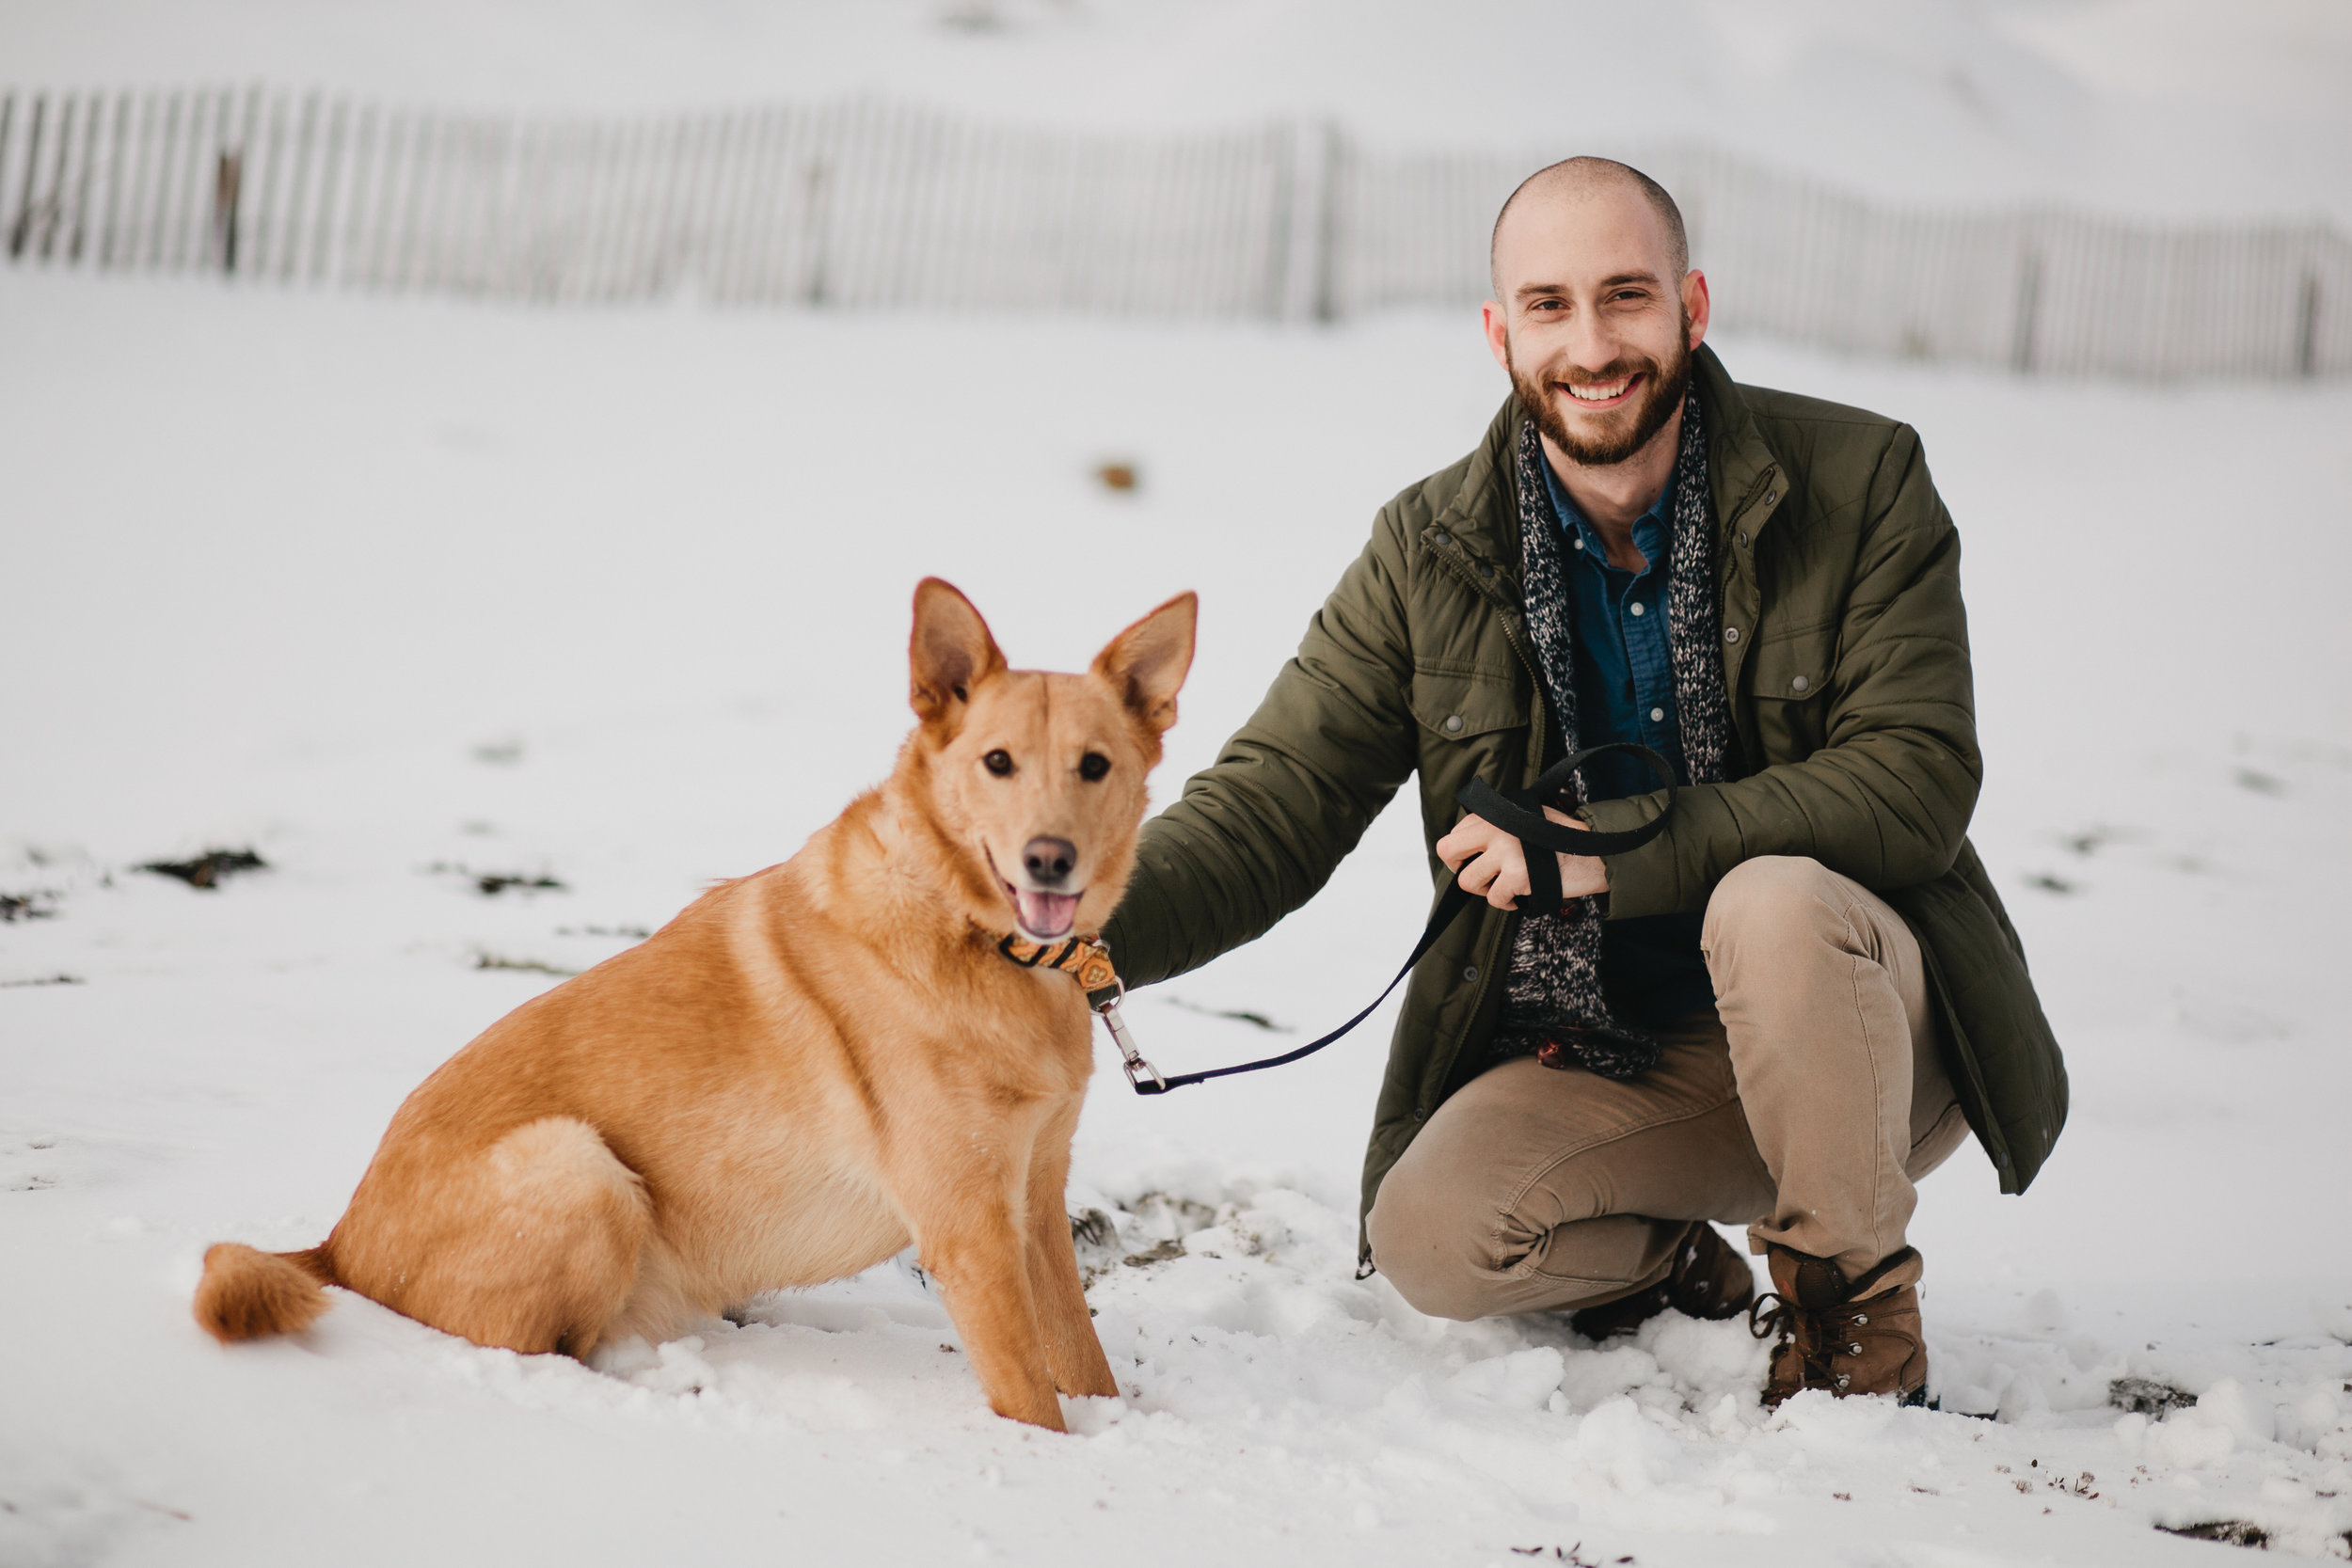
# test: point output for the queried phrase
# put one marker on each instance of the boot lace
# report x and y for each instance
(1774, 1316)
(1820, 1335)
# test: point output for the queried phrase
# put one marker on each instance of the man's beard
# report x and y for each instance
(1625, 431)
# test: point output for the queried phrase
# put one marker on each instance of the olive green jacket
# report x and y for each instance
(1846, 657)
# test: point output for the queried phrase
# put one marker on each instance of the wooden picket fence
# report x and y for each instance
(880, 206)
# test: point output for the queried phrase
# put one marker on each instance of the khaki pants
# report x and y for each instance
(1803, 1108)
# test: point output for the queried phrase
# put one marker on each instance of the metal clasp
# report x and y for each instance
(1129, 1057)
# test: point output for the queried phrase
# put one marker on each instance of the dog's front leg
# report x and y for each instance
(1071, 1349)
(972, 1244)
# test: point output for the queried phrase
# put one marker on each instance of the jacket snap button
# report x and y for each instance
(1485, 569)
(1440, 537)
(1770, 496)
(1799, 684)
(1731, 634)
(1454, 723)
(1469, 972)
(1743, 541)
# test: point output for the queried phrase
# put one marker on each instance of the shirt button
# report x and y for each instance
(1799, 684)
(1657, 715)
(1453, 721)
(1637, 607)
(1579, 543)
(1731, 634)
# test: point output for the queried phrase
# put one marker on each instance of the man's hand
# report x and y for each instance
(1492, 863)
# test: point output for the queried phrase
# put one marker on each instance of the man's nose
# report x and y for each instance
(1592, 346)
(1048, 860)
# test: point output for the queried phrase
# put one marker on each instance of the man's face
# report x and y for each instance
(1591, 325)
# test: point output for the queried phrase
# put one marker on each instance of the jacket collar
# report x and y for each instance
(1484, 513)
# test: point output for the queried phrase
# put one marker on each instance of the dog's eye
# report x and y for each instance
(1093, 766)
(998, 762)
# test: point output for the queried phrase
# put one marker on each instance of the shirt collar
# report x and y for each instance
(1653, 531)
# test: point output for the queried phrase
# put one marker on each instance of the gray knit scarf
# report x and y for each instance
(1554, 989)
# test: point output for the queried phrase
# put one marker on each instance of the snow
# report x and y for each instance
(404, 594)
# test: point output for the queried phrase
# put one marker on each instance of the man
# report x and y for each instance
(1784, 1009)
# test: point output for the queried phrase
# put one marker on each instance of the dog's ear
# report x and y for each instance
(1146, 663)
(950, 652)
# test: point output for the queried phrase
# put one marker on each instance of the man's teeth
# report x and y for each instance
(1600, 394)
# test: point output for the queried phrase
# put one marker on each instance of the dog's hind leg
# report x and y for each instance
(535, 1248)
(1073, 1351)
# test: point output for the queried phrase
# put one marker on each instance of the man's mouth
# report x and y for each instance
(1043, 916)
(1602, 394)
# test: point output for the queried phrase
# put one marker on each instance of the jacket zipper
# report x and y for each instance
(1489, 953)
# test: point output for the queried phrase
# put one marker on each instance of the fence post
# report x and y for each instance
(93, 110)
(166, 161)
(23, 229)
(1282, 143)
(53, 206)
(813, 178)
(268, 218)
(323, 236)
(2028, 307)
(1327, 249)
(8, 115)
(2307, 348)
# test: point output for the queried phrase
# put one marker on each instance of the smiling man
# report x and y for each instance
(1784, 1009)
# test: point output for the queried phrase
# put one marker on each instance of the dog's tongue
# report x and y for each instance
(1047, 915)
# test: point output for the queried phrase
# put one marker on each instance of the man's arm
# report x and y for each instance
(1258, 833)
(1886, 800)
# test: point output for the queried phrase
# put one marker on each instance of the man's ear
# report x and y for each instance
(950, 652)
(1146, 663)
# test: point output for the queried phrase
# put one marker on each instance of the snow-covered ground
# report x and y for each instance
(403, 594)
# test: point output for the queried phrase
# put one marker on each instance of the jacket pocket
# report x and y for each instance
(1787, 676)
(1455, 706)
(1793, 668)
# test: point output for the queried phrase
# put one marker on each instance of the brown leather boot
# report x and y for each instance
(1708, 1279)
(1849, 1337)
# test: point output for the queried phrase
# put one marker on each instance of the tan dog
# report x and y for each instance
(804, 1071)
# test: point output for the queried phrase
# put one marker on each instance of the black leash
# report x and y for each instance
(1519, 814)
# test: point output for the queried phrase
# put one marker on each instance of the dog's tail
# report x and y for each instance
(246, 1294)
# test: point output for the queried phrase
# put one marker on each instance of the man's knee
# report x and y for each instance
(1763, 894)
(1427, 1238)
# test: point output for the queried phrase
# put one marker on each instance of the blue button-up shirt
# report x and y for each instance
(1625, 691)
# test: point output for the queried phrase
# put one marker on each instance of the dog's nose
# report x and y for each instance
(1049, 859)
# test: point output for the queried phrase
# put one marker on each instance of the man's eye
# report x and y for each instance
(999, 763)
(1093, 766)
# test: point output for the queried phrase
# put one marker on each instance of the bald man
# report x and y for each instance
(1784, 1008)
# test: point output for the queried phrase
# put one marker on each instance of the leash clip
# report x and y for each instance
(1138, 1068)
